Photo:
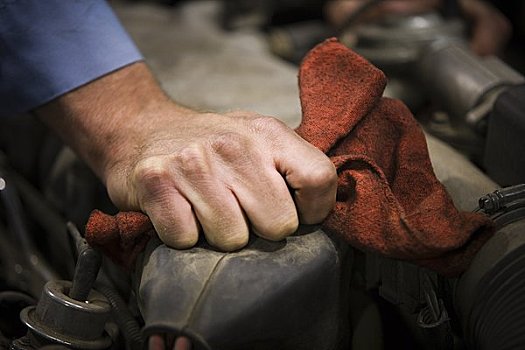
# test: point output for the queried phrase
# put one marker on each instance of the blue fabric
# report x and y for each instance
(50, 47)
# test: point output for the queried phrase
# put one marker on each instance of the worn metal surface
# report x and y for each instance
(396, 42)
(462, 81)
(59, 319)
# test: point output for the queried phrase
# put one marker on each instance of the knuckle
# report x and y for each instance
(229, 145)
(242, 114)
(264, 124)
(151, 169)
(280, 228)
(176, 239)
(191, 160)
(323, 175)
(229, 242)
(152, 174)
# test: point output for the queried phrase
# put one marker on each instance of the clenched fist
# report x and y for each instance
(191, 172)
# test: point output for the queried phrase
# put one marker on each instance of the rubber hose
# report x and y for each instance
(15, 297)
(128, 325)
(497, 319)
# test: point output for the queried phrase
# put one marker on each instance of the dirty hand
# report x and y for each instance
(191, 171)
(221, 173)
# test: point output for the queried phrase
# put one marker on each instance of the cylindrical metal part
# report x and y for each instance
(395, 43)
(460, 80)
(57, 318)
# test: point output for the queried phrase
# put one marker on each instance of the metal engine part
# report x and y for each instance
(482, 97)
(427, 59)
(431, 51)
(490, 296)
(70, 314)
(395, 43)
(484, 308)
(59, 319)
(465, 84)
(504, 149)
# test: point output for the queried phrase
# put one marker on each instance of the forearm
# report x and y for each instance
(102, 119)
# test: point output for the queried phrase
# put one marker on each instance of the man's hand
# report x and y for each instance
(221, 173)
(190, 171)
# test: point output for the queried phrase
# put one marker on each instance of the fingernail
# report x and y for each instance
(156, 342)
(182, 343)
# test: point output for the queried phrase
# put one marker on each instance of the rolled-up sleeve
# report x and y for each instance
(50, 47)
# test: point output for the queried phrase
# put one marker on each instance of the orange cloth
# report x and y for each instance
(121, 237)
(389, 200)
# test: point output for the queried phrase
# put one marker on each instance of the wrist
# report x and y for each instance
(105, 121)
(131, 137)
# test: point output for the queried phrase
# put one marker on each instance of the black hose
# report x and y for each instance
(15, 217)
(497, 318)
(5, 342)
(46, 216)
(11, 303)
(88, 266)
(128, 325)
(14, 297)
(489, 298)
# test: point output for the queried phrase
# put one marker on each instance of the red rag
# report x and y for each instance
(388, 201)
(121, 237)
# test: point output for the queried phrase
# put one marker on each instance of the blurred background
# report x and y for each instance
(457, 64)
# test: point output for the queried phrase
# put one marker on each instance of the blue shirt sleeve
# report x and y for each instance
(50, 47)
